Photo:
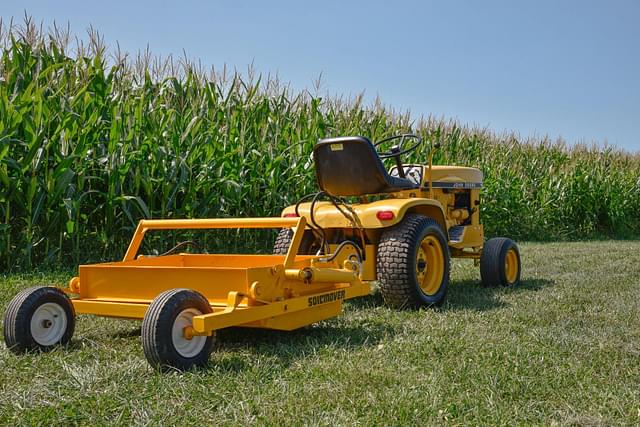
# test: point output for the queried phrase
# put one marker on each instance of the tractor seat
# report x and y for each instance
(350, 166)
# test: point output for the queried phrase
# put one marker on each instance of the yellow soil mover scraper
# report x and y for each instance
(400, 230)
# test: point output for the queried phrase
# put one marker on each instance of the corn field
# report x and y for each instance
(91, 142)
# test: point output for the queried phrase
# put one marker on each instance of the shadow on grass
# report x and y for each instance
(238, 347)
(471, 295)
(127, 333)
(96, 338)
(289, 346)
(372, 300)
(464, 295)
(286, 347)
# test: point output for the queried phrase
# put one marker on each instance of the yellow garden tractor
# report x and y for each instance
(407, 223)
(399, 228)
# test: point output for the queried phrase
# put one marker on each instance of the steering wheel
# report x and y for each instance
(397, 150)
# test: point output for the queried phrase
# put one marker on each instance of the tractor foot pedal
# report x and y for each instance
(455, 233)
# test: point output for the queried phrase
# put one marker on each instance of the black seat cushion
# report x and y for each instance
(350, 166)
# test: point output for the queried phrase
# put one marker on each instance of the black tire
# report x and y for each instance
(493, 262)
(159, 346)
(308, 246)
(397, 263)
(38, 318)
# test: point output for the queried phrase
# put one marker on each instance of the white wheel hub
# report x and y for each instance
(186, 347)
(48, 324)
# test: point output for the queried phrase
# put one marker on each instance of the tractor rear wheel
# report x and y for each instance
(413, 263)
(38, 318)
(165, 338)
(308, 246)
(500, 262)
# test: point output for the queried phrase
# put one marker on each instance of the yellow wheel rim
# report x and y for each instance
(511, 266)
(430, 265)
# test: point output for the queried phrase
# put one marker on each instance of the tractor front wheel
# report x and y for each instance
(38, 319)
(166, 340)
(413, 263)
(500, 262)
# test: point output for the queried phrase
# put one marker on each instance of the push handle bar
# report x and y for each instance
(193, 224)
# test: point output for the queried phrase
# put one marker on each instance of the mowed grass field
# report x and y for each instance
(563, 348)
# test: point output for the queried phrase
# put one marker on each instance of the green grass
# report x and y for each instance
(562, 348)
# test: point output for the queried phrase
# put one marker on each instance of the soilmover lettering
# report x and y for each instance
(323, 299)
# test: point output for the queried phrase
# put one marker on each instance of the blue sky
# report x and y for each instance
(558, 68)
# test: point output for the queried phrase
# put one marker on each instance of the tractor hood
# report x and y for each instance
(446, 175)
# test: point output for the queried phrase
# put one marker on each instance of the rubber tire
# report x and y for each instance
(492, 261)
(157, 325)
(396, 258)
(284, 238)
(17, 318)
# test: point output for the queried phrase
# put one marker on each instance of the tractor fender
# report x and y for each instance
(431, 211)
(327, 216)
